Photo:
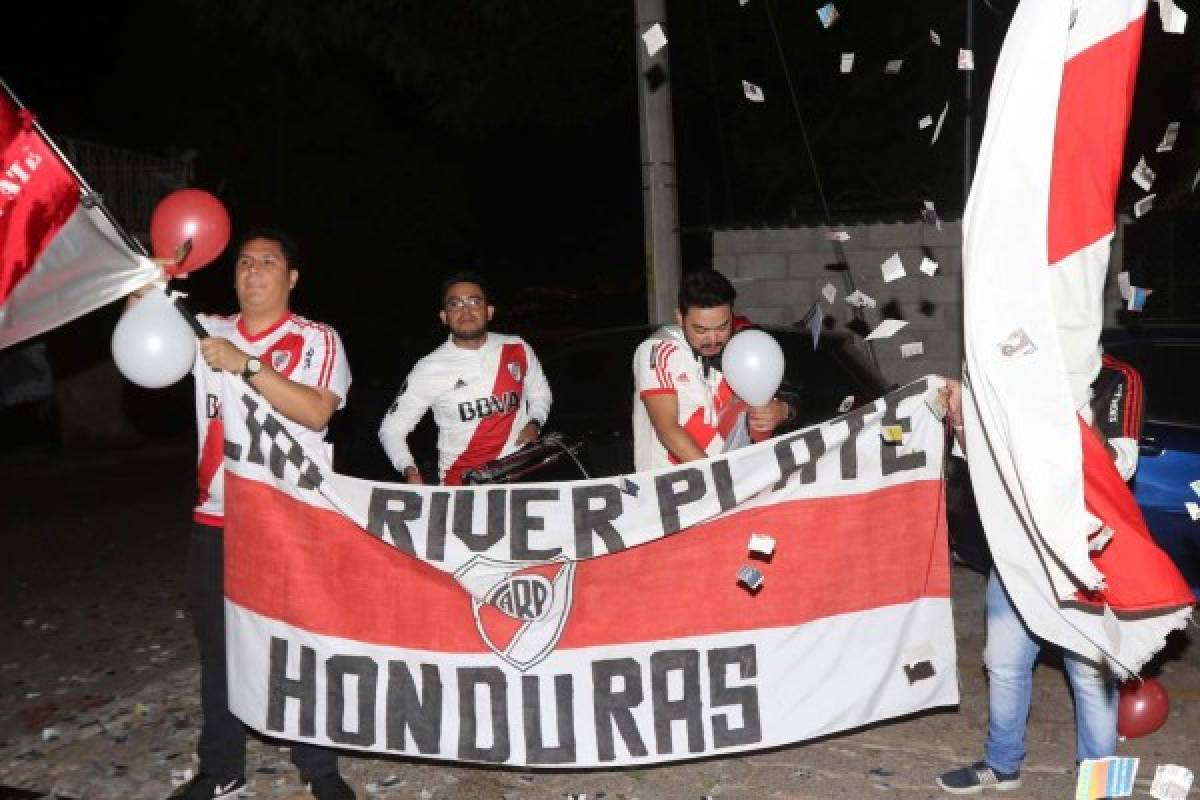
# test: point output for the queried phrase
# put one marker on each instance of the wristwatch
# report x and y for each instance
(252, 368)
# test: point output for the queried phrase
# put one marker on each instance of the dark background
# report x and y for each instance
(401, 141)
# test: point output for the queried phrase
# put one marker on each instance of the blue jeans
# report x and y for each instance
(1009, 657)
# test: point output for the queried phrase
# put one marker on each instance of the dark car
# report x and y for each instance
(592, 379)
(1169, 452)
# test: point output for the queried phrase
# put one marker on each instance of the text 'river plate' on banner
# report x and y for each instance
(597, 622)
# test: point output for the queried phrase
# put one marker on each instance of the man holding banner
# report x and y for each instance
(300, 368)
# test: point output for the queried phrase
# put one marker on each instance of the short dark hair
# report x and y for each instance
(465, 276)
(705, 289)
(291, 252)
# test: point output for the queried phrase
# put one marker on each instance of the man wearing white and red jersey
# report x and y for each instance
(300, 368)
(684, 409)
(487, 390)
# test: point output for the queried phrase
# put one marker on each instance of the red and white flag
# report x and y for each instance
(58, 259)
(597, 622)
(1037, 233)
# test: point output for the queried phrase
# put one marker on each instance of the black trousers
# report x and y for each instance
(222, 747)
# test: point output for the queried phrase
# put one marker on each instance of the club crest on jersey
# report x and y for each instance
(520, 610)
(514, 369)
(280, 359)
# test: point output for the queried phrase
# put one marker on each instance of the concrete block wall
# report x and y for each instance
(779, 274)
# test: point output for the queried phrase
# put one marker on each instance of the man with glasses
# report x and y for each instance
(487, 390)
(684, 409)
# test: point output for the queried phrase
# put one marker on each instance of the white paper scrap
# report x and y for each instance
(1195, 486)
(1174, 20)
(966, 60)
(1193, 510)
(937, 131)
(837, 236)
(743, 2)
(761, 543)
(1123, 284)
(753, 93)
(892, 434)
(828, 14)
(929, 215)
(912, 349)
(892, 268)
(924, 122)
(933, 37)
(829, 292)
(887, 329)
(1169, 136)
(654, 39)
(749, 577)
(928, 266)
(857, 299)
(847, 63)
(846, 404)
(1017, 344)
(1171, 782)
(893, 66)
(1142, 175)
(1137, 298)
(1142, 206)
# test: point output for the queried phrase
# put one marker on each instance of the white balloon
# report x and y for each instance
(753, 365)
(152, 345)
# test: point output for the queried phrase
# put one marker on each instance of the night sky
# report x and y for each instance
(400, 141)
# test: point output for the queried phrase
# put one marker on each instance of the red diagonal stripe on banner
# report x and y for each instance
(1089, 141)
(37, 197)
(315, 569)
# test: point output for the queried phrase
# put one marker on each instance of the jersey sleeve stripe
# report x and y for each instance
(330, 355)
(652, 392)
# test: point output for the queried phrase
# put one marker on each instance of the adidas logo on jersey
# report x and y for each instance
(682, 378)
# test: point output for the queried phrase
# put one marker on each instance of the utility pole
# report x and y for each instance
(968, 98)
(660, 208)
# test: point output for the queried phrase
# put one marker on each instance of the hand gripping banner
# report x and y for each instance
(590, 623)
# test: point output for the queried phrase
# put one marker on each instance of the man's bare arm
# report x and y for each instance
(663, 410)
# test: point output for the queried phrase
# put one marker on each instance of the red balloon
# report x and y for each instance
(189, 214)
(1142, 708)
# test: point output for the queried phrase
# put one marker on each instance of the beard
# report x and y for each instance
(470, 334)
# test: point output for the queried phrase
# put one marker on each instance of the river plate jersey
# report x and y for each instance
(300, 350)
(708, 409)
(481, 400)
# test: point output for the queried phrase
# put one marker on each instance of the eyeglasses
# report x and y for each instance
(455, 303)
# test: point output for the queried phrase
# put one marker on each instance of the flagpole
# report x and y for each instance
(91, 199)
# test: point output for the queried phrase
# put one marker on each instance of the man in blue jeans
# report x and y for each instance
(1012, 649)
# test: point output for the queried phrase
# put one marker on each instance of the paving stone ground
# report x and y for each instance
(99, 685)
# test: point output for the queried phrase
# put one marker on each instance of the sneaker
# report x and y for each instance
(331, 787)
(205, 787)
(976, 778)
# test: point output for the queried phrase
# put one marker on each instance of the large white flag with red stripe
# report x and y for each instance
(1079, 564)
(597, 622)
(58, 258)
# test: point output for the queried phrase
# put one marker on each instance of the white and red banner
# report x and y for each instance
(58, 259)
(595, 622)
(1077, 562)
